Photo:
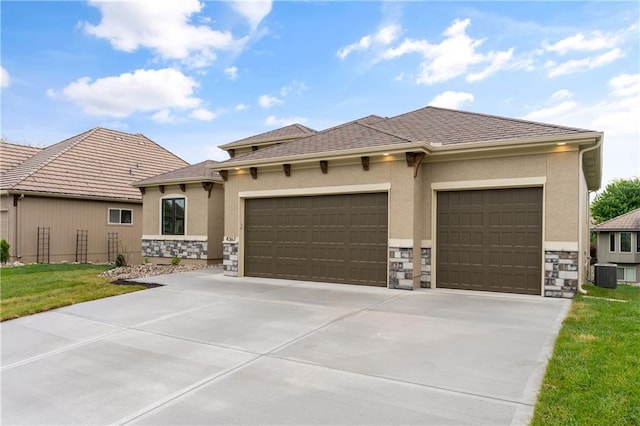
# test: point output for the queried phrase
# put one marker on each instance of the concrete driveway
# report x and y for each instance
(206, 349)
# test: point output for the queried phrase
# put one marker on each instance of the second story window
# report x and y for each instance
(612, 242)
(625, 242)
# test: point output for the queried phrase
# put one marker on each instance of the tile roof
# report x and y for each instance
(429, 125)
(293, 131)
(626, 222)
(99, 163)
(200, 172)
(12, 154)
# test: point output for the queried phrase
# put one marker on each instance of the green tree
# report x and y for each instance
(619, 197)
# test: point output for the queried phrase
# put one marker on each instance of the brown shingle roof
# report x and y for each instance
(293, 131)
(625, 222)
(353, 135)
(12, 155)
(446, 127)
(427, 126)
(200, 172)
(99, 163)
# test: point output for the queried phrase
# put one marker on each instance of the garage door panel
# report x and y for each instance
(333, 238)
(504, 228)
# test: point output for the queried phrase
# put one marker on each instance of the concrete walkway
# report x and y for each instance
(207, 349)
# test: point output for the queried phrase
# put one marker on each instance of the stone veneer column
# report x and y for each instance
(230, 257)
(560, 273)
(401, 267)
(425, 267)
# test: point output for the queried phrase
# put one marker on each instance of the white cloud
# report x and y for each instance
(383, 37)
(267, 101)
(451, 100)
(231, 72)
(551, 113)
(456, 55)
(561, 95)
(626, 85)
(585, 64)
(4, 78)
(163, 27)
(164, 116)
(253, 10)
(241, 107)
(296, 88)
(203, 114)
(273, 121)
(140, 91)
(581, 42)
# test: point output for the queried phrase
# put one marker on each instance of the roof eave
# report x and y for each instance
(71, 196)
(142, 184)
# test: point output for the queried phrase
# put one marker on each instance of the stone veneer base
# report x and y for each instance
(184, 249)
(425, 267)
(230, 258)
(401, 268)
(560, 273)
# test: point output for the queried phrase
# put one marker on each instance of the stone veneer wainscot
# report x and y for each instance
(230, 258)
(184, 249)
(560, 273)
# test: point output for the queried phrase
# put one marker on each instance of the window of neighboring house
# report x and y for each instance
(120, 216)
(612, 242)
(626, 274)
(637, 242)
(625, 242)
(173, 216)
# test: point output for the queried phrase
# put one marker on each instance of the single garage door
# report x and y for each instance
(490, 240)
(330, 238)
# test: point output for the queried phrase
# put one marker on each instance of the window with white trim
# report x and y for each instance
(626, 274)
(625, 242)
(120, 216)
(173, 211)
(637, 242)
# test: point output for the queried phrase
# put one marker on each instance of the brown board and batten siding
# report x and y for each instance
(490, 240)
(330, 238)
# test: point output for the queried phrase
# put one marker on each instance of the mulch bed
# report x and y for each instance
(127, 282)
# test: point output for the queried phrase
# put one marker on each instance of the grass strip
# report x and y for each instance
(593, 377)
(30, 289)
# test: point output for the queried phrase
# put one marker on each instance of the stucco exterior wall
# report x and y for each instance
(202, 240)
(65, 217)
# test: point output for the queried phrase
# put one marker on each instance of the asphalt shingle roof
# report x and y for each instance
(436, 126)
(200, 172)
(625, 222)
(291, 131)
(97, 163)
(13, 154)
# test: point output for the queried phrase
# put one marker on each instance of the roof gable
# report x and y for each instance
(626, 222)
(98, 163)
(292, 131)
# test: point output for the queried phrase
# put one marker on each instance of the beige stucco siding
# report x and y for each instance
(216, 221)
(562, 197)
(65, 217)
(392, 171)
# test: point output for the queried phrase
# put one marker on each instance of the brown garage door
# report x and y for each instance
(490, 240)
(330, 238)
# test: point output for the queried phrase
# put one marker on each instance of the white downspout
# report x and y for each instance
(580, 238)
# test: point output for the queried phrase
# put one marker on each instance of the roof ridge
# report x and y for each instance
(395, 135)
(48, 159)
(517, 120)
(617, 217)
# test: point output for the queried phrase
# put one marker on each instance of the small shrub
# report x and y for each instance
(175, 261)
(147, 260)
(120, 260)
(4, 251)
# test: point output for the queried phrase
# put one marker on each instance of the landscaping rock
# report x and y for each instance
(148, 270)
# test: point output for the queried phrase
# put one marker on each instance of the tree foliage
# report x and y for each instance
(619, 197)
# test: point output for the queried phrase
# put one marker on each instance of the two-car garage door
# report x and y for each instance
(490, 240)
(331, 238)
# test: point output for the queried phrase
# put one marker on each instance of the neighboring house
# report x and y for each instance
(73, 201)
(14, 154)
(183, 215)
(619, 243)
(430, 198)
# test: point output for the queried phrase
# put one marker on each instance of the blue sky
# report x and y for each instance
(193, 75)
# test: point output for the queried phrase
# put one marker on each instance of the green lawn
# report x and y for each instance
(29, 289)
(593, 377)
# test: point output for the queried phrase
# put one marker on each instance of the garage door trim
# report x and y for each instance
(321, 190)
